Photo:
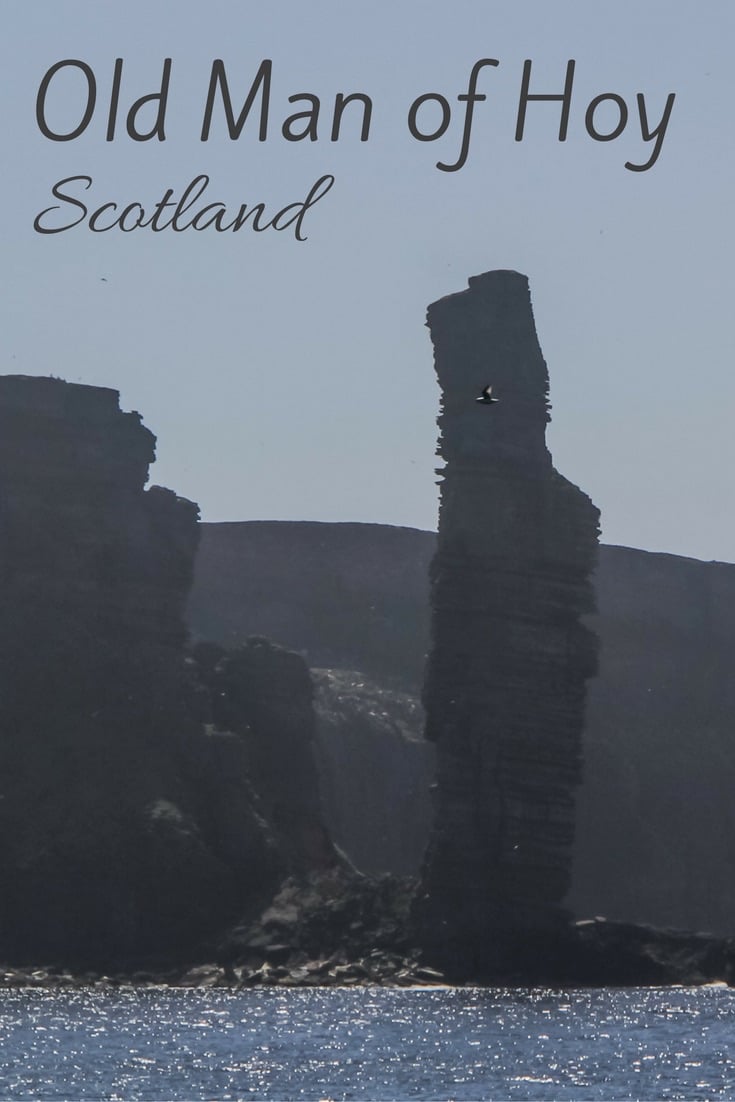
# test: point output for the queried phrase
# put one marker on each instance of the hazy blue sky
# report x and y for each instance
(291, 379)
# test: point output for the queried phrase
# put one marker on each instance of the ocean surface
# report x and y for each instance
(364, 1043)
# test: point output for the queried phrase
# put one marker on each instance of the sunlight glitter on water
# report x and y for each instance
(367, 1044)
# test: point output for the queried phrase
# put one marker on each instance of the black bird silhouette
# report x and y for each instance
(486, 396)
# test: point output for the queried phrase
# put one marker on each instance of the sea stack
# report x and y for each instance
(509, 658)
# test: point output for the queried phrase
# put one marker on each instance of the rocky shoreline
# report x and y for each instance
(588, 953)
(376, 970)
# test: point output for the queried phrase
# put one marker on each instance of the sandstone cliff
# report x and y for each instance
(350, 596)
(509, 659)
(264, 694)
(375, 771)
(656, 828)
(124, 830)
(654, 810)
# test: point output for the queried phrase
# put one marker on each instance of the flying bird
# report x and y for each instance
(486, 397)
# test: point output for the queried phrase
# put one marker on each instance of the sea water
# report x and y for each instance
(367, 1043)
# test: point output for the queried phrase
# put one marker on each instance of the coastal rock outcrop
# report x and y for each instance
(659, 714)
(375, 771)
(505, 682)
(125, 831)
(264, 694)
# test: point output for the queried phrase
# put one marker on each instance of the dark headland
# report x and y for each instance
(307, 754)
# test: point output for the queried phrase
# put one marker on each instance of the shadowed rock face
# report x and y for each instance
(375, 771)
(505, 682)
(655, 814)
(124, 830)
(351, 596)
(264, 694)
(94, 571)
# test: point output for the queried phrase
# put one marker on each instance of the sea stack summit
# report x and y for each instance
(509, 657)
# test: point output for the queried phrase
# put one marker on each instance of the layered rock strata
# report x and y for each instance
(659, 714)
(505, 682)
(125, 831)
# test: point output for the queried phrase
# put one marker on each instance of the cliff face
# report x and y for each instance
(94, 570)
(505, 682)
(117, 836)
(656, 814)
(351, 596)
(354, 600)
(264, 694)
(375, 770)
